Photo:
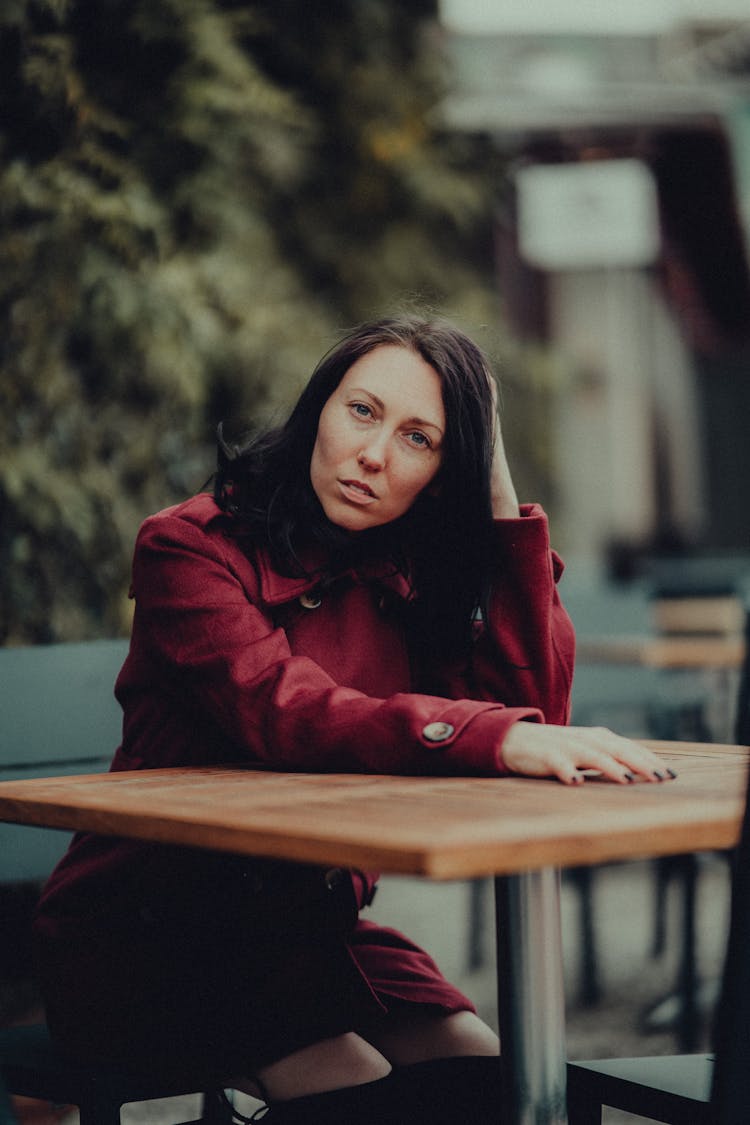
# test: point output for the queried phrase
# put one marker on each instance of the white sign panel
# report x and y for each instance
(595, 214)
(582, 17)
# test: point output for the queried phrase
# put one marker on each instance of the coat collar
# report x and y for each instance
(276, 589)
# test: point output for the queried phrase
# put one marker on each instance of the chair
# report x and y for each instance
(74, 732)
(699, 596)
(690, 1089)
(30, 1066)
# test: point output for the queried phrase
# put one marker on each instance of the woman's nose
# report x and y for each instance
(372, 456)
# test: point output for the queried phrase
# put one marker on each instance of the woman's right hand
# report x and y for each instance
(543, 750)
(502, 489)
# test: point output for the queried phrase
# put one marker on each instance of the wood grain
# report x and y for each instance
(438, 827)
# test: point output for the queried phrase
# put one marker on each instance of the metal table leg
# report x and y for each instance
(531, 1000)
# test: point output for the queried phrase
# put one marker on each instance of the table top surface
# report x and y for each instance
(441, 828)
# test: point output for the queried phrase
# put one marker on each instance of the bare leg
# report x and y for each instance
(419, 1038)
(347, 1060)
(351, 1060)
(446, 1068)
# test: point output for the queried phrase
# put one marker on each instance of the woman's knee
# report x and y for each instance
(346, 1060)
(469, 1035)
(419, 1038)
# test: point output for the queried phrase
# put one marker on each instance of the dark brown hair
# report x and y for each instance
(443, 541)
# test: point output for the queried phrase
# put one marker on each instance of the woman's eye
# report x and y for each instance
(416, 437)
(361, 409)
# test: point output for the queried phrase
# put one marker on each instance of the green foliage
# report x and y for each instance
(195, 197)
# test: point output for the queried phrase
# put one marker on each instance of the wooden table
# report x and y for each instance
(521, 831)
(670, 652)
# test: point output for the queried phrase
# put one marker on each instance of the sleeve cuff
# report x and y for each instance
(475, 747)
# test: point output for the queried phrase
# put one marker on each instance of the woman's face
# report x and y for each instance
(380, 439)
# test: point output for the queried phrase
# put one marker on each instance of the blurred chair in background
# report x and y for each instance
(699, 604)
(690, 1089)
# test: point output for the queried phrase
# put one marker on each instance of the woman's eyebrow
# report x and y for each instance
(424, 424)
(415, 421)
(364, 391)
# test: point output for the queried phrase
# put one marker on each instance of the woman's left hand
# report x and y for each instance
(568, 753)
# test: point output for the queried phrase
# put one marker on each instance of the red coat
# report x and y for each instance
(228, 661)
(231, 661)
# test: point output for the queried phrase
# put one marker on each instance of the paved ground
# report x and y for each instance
(632, 980)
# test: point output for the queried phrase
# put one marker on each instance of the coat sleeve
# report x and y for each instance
(524, 652)
(211, 649)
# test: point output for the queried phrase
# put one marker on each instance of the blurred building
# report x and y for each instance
(622, 243)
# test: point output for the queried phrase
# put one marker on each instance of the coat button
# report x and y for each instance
(310, 601)
(438, 732)
(333, 878)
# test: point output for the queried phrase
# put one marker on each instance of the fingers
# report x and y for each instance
(609, 755)
(573, 753)
(502, 489)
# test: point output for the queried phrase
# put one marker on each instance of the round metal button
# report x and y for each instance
(333, 878)
(310, 601)
(438, 732)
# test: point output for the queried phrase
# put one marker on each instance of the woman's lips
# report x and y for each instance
(357, 492)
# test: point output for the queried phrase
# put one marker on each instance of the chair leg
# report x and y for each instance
(589, 992)
(215, 1110)
(99, 1111)
(582, 1108)
(687, 1029)
(477, 919)
(663, 872)
(685, 991)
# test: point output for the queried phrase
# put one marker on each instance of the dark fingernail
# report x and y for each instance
(658, 775)
(576, 779)
(671, 773)
(629, 776)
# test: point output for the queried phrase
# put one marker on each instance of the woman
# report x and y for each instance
(361, 593)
